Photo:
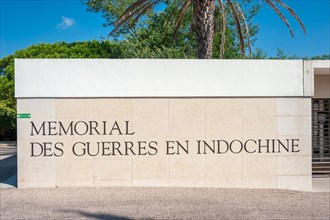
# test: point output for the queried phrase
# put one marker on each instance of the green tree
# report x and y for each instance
(282, 55)
(163, 28)
(321, 57)
(90, 49)
(203, 17)
(7, 99)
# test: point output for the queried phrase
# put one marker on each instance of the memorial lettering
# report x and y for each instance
(113, 147)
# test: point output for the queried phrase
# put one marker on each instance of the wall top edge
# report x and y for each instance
(318, 63)
(171, 97)
(157, 78)
(151, 59)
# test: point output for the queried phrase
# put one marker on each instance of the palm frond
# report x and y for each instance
(246, 28)
(142, 12)
(223, 31)
(137, 9)
(140, 7)
(181, 14)
(129, 11)
(279, 13)
(238, 28)
(169, 18)
(291, 11)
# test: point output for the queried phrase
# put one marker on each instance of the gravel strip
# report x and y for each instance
(162, 203)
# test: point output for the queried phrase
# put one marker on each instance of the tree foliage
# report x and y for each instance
(7, 100)
(163, 25)
(282, 55)
(90, 49)
(202, 13)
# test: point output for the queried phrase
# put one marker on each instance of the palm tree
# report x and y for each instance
(204, 20)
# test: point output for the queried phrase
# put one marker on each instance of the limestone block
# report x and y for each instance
(294, 106)
(259, 107)
(223, 107)
(113, 108)
(75, 172)
(36, 172)
(188, 171)
(149, 107)
(294, 165)
(303, 183)
(74, 108)
(187, 107)
(224, 171)
(294, 125)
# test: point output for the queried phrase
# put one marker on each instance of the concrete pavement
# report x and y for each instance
(156, 203)
(162, 203)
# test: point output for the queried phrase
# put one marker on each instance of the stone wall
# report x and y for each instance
(161, 124)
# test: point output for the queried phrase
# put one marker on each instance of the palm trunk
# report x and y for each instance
(205, 19)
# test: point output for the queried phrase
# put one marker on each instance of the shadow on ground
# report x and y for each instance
(8, 165)
(91, 215)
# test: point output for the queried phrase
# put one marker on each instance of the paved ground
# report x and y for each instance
(162, 203)
(155, 203)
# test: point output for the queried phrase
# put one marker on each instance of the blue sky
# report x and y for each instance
(27, 22)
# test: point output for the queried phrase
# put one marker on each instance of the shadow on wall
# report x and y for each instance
(103, 216)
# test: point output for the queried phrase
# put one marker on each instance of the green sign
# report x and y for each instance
(25, 115)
